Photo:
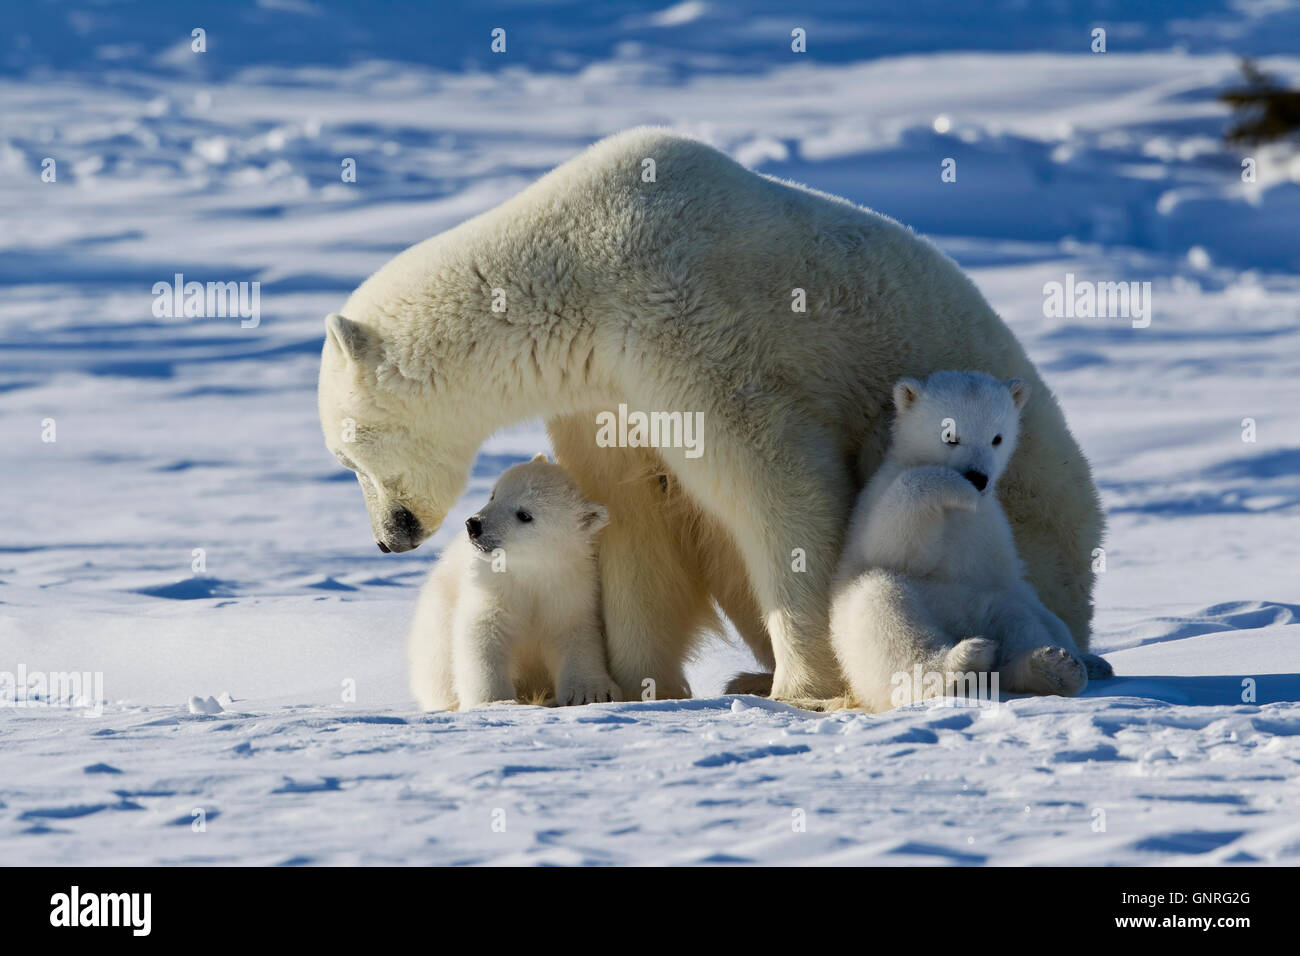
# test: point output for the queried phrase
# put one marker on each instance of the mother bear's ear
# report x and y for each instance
(356, 341)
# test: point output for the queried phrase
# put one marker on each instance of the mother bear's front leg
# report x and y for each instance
(785, 498)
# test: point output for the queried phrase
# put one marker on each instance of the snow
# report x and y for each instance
(260, 680)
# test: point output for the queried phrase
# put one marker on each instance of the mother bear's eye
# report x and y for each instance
(523, 516)
(997, 439)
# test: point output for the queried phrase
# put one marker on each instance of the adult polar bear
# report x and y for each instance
(654, 271)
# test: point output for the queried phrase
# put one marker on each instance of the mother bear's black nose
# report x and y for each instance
(405, 522)
(977, 478)
(474, 526)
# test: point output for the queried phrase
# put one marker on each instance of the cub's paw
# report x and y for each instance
(758, 684)
(1054, 670)
(960, 495)
(1098, 667)
(977, 654)
(586, 690)
(939, 486)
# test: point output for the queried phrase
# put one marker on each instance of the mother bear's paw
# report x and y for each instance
(587, 689)
(756, 683)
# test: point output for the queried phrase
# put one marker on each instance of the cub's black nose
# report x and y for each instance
(977, 478)
(383, 547)
(474, 526)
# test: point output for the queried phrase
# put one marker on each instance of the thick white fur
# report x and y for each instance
(930, 573)
(675, 295)
(514, 614)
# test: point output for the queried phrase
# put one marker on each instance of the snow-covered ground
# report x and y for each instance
(179, 434)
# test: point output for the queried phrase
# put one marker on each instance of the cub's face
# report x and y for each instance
(966, 421)
(537, 516)
(377, 424)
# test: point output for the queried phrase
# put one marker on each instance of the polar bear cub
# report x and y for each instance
(930, 574)
(512, 608)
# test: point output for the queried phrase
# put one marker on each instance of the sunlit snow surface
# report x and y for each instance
(183, 434)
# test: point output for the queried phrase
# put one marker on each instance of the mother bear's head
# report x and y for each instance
(378, 420)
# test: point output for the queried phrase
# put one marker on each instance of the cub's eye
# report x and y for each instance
(997, 439)
(523, 516)
(953, 441)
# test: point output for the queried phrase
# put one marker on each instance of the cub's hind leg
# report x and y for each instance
(883, 627)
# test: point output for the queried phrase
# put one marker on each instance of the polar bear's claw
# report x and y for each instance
(595, 691)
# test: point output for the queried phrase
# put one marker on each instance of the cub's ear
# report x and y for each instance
(906, 392)
(541, 456)
(594, 517)
(1019, 392)
(353, 339)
